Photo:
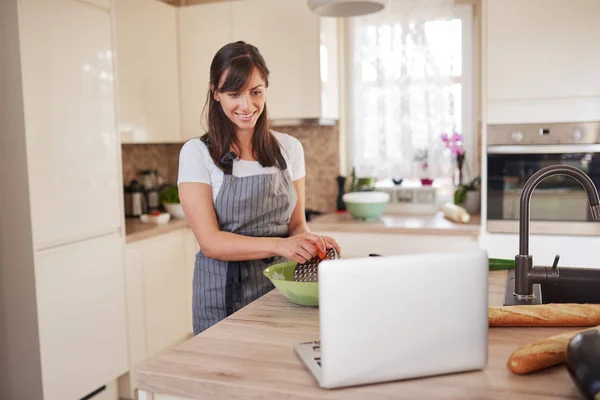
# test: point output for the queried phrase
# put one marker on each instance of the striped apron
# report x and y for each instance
(259, 205)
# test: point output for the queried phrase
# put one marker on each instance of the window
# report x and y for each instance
(410, 80)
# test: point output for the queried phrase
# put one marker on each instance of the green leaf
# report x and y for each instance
(460, 195)
(170, 195)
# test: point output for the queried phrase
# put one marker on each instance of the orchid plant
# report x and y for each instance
(454, 142)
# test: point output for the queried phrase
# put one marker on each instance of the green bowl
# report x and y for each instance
(301, 293)
(366, 205)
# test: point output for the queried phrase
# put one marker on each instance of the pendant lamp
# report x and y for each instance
(346, 8)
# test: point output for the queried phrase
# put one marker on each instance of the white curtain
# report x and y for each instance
(405, 89)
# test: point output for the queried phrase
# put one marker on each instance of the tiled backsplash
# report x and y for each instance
(322, 157)
(162, 157)
(321, 154)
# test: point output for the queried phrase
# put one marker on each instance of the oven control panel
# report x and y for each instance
(539, 134)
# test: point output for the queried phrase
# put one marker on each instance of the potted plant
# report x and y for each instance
(170, 201)
(454, 143)
(468, 196)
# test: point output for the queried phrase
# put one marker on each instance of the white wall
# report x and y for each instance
(20, 374)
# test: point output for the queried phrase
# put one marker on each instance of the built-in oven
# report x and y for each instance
(559, 204)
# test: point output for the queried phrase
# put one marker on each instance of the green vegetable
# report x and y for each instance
(170, 195)
(500, 263)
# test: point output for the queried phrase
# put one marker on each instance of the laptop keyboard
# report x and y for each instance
(316, 351)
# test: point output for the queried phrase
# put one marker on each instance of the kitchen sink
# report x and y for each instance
(576, 285)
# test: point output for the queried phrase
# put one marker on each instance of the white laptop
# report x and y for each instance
(399, 317)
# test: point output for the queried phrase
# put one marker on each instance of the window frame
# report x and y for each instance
(469, 116)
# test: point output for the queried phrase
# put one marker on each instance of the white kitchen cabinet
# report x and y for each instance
(69, 107)
(288, 39)
(300, 50)
(63, 300)
(167, 319)
(158, 280)
(81, 316)
(389, 244)
(134, 288)
(147, 71)
(157, 272)
(541, 60)
(203, 30)
(99, 3)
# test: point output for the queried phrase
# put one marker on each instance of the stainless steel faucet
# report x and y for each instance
(526, 275)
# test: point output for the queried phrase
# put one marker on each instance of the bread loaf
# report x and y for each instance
(542, 353)
(545, 315)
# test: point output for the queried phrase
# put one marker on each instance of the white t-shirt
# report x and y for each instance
(196, 165)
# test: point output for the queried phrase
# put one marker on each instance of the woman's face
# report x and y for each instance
(244, 107)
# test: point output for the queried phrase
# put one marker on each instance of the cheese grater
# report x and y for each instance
(308, 272)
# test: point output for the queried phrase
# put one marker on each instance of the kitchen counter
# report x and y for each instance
(396, 223)
(250, 355)
(135, 230)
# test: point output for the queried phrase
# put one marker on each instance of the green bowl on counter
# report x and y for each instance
(366, 206)
(301, 293)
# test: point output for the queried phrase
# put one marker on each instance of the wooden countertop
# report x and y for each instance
(396, 223)
(250, 355)
(135, 230)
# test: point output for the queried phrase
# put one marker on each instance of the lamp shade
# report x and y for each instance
(346, 8)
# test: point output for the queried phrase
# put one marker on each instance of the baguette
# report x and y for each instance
(545, 315)
(542, 353)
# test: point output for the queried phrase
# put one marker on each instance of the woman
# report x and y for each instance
(242, 191)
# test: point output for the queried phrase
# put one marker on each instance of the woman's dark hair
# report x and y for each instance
(239, 60)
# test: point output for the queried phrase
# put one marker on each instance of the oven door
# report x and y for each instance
(559, 204)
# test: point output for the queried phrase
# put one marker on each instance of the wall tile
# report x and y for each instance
(162, 157)
(321, 154)
(322, 158)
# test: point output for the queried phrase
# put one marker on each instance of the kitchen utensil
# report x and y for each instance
(366, 205)
(583, 363)
(301, 293)
(309, 271)
(150, 183)
(341, 181)
(135, 201)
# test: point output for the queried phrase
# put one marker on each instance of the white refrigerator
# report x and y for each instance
(74, 184)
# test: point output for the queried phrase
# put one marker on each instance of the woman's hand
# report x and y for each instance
(330, 242)
(305, 246)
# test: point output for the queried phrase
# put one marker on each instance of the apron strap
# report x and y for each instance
(229, 157)
(227, 161)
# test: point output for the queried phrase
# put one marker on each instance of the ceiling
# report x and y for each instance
(476, 3)
(188, 2)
